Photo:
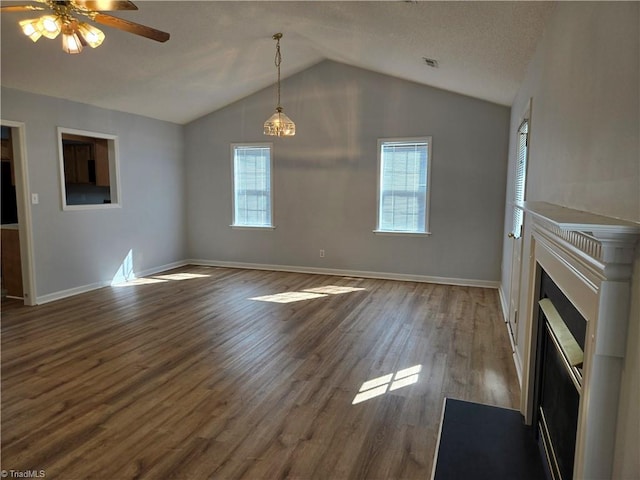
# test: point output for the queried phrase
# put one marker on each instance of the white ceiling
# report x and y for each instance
(220, 52)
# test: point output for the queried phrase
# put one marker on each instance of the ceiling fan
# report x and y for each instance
(65, 17)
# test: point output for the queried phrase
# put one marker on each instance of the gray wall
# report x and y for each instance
(584, 150)
(325, 177)
(76, 249)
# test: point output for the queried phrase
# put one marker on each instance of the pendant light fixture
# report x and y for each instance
(279, 124)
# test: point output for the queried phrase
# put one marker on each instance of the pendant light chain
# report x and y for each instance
(278, 61)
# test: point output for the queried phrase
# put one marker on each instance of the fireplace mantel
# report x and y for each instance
(578, 220)
(603, 239)
(590, 257)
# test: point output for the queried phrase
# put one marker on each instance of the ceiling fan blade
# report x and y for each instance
(20, 8)
(106, 5)
(131, 27)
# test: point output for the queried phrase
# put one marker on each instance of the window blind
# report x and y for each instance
(403, 186)
(252, 186)
(521, 172)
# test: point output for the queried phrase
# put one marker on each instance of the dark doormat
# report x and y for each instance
(484, 442)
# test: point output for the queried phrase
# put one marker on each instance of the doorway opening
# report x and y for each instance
(16, 250)
(11, 263)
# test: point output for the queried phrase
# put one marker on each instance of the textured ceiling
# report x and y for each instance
(220, 52)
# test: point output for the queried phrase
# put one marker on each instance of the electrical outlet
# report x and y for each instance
(322, 253)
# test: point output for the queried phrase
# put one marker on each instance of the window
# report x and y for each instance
(403, 185)
(252, 198)
(521, 175)
(88, 169)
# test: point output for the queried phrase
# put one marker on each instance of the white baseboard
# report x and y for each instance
(52, 297)
(514, 349)
(349, 273)
(517, 362)
(162, 268)
(503, 303)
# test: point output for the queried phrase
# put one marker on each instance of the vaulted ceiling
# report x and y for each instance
(220, 52)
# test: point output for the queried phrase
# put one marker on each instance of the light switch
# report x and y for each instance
(35, 199)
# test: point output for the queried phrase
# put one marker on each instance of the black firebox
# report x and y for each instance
(558, 378)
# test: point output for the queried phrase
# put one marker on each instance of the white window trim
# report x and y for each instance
(233, 225)
(253, 227)
(114, 170)
(427, 232)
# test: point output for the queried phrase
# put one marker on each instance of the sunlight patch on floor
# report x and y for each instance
(333, 289)
(376, 382)
(288, 297)
(181, 276)
(387, 383)
(125, 276)
(307, 294)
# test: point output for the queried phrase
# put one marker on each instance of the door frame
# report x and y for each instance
(516, 241)
(23, 199)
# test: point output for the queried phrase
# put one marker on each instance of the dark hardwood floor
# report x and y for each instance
(207, 372)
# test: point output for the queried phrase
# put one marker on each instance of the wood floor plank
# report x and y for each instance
(206, 372)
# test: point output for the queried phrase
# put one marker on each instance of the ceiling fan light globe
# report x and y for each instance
(31, 28)
(71, 43)
(93, 36)
(50, 26)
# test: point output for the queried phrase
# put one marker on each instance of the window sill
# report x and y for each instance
(90, 206)
(253, 227)
(408, 234)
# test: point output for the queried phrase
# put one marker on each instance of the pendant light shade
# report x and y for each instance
(279, 124)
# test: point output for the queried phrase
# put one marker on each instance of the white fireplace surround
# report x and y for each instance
(590, 258)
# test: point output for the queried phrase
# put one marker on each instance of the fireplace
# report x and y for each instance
(578, 280)
(558, 378)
